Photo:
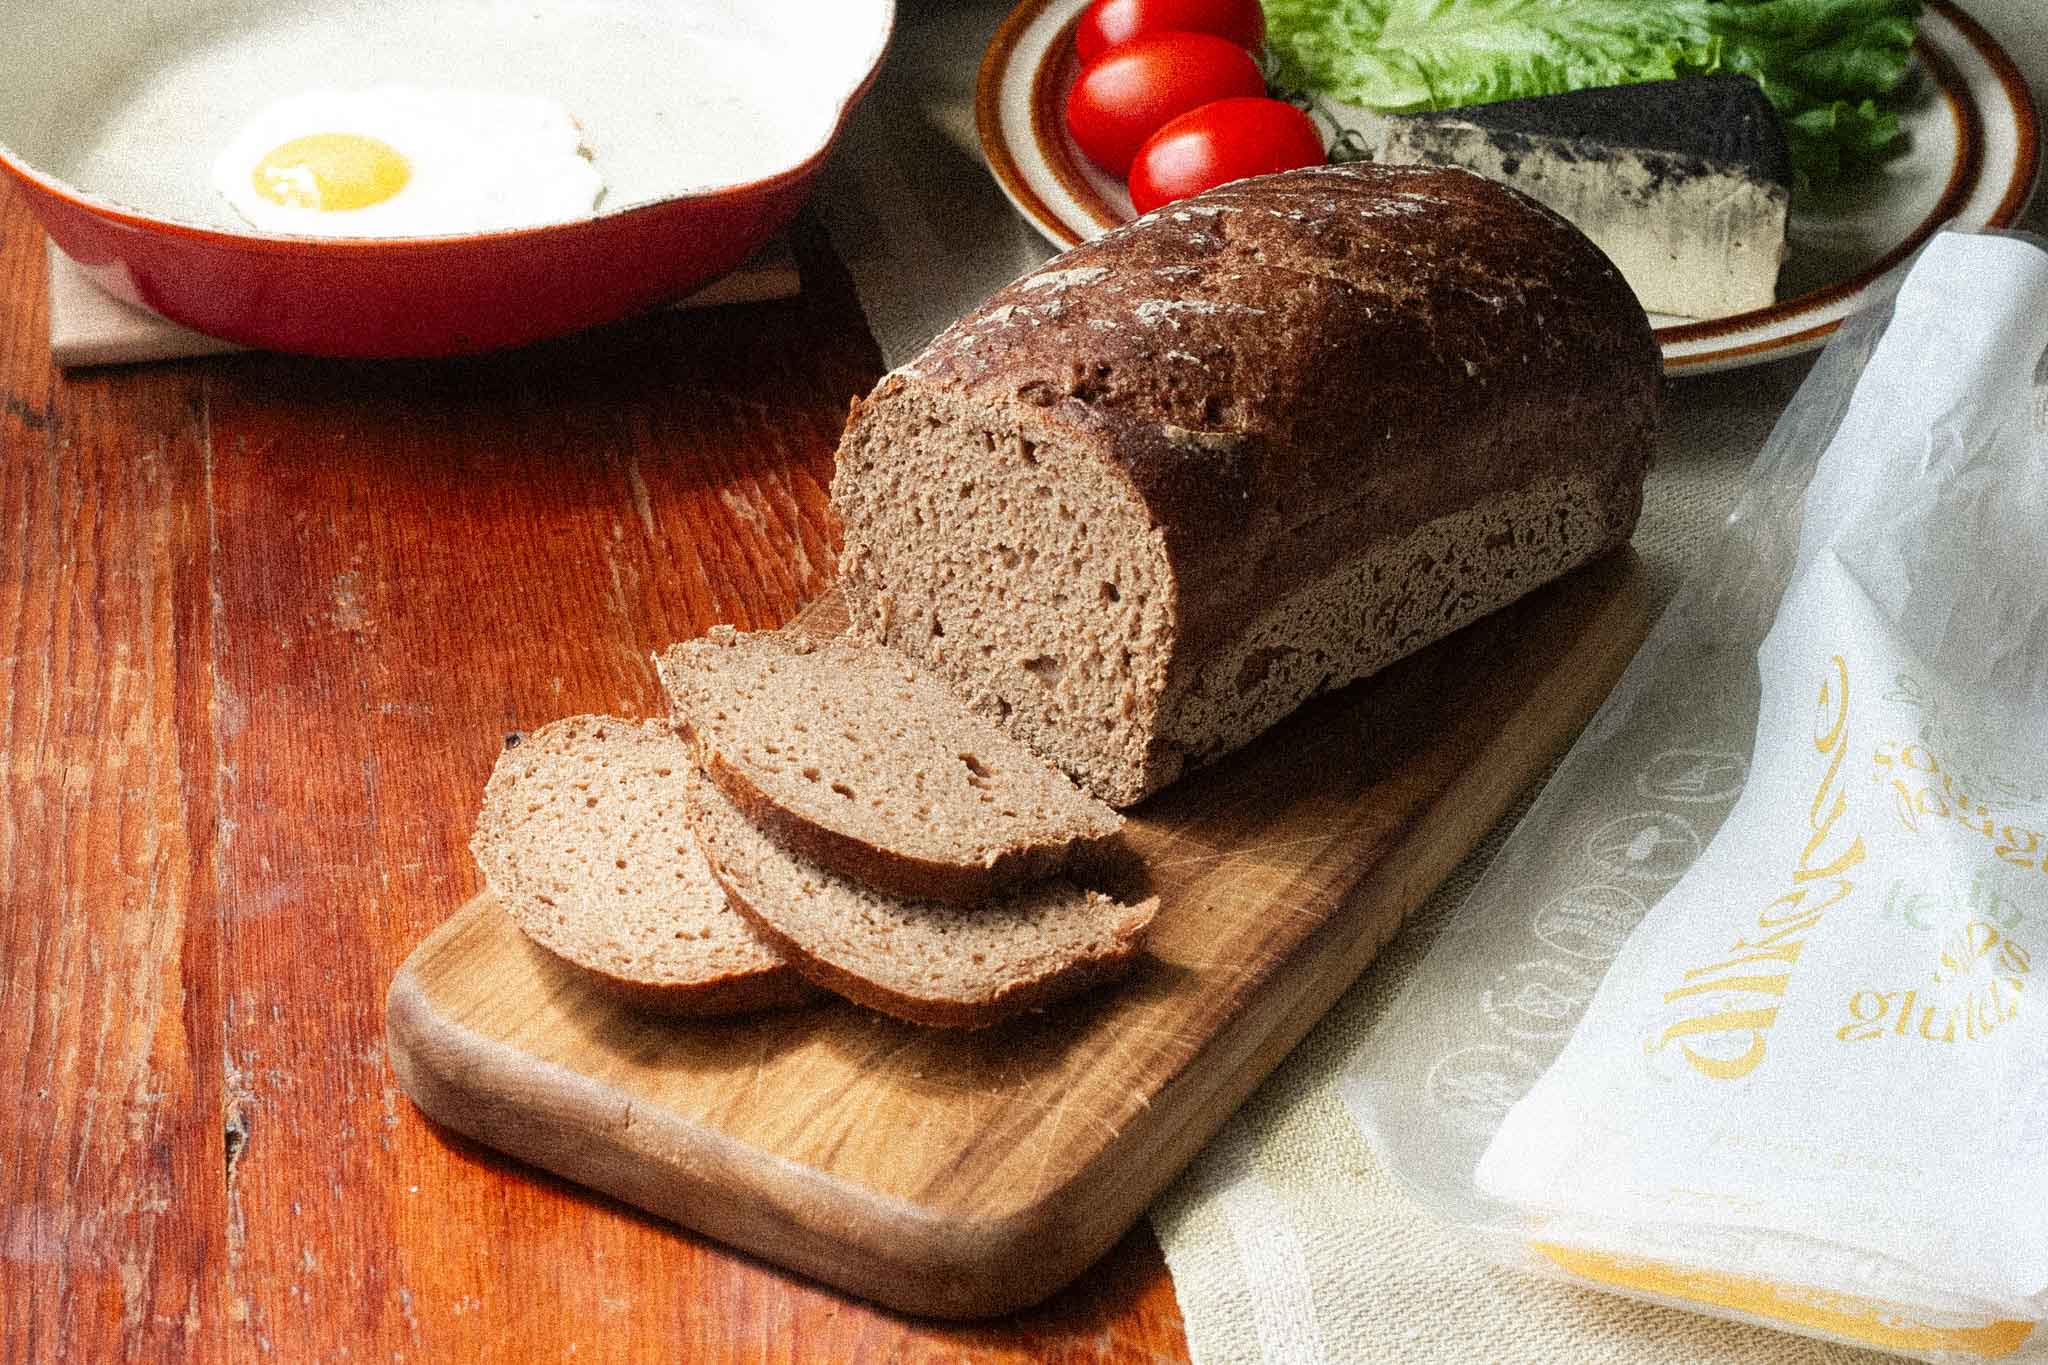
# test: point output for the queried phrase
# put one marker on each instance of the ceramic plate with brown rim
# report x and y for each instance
(1971, 162)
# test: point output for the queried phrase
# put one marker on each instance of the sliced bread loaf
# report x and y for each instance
(922, 961)
(1147, 500)
(583, 839)
(856, 760)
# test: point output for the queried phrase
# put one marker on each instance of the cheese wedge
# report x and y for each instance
(1684, 184)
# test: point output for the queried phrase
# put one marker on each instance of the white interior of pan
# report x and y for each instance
(131, 102)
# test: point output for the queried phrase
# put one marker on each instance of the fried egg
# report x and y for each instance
(404, 161)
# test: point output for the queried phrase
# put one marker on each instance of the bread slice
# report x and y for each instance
(583, 839)
(923, 961)
(856, 760)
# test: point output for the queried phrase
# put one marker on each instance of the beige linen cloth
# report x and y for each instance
(1289, 1243)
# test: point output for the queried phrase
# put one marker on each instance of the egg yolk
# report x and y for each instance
(331, 171)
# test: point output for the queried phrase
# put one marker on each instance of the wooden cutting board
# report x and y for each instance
(964, 1175)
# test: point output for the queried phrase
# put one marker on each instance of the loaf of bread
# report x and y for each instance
(1147, 500)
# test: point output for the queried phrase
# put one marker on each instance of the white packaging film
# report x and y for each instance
(1745, 1015)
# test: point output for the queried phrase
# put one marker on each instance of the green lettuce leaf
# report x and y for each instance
(1829, 66)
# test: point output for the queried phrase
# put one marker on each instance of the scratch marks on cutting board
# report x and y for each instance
(348, 613)
(642, 503)
(230, 712)
(32, 416)
(238, 1105)
(405, 1310)
(737, 503)
(1262, 853)
(625, 584)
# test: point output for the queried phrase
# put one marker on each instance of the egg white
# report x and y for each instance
(479, 162)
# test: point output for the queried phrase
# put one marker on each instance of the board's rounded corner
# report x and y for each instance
(408, 1045)
(416, 1035)
(1007, 1260)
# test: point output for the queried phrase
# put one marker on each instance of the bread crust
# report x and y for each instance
(740, 993)
(1331, 315)
(1076, 976)
(958, 879)
(890, 871)
(1288, 374)
(746, 862)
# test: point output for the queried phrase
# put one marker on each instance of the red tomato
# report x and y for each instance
(1220, 142)
(1130, 91)
(1108, 22)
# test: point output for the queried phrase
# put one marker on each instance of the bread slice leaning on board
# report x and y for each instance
(583, 839)
(852, 757)
(921, 961)
(1147, 500)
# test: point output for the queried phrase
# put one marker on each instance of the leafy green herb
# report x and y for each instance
(1827, 65)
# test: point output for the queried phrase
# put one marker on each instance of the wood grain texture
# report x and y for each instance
(263, 626)
(411, 561)
(967, 1175)
(111, 1198)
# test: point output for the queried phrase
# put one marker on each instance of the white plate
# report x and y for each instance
(1971, 161)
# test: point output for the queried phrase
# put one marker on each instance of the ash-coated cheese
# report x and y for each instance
(1686, 185)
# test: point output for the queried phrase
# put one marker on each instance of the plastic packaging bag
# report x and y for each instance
(1745, 1015)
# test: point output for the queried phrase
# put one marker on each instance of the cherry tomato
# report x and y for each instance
(1222, 141)
(1130, 91)
(1108, 22)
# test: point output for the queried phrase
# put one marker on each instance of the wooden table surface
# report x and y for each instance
(264, 624)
